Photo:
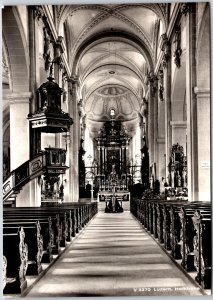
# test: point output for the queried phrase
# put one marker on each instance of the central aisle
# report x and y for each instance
(113, 256)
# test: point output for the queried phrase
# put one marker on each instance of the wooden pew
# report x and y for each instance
(58, 220)
(202, 249)
(34, 241)
(72, 219)
(16, 252)
(69, 221)
(178, 228)
(57, 226)
(46, 232)
(187, 235)
(4, 271)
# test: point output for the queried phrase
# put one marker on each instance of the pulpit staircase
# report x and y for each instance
(19, 177)
(50, 161)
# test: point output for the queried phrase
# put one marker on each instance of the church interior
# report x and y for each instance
(106, 150)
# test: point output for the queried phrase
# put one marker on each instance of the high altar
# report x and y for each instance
(113, 177)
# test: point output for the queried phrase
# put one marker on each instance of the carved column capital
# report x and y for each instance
(151, 77)
(38, 12)
(152, 81)
(74, 80)
(185, 8)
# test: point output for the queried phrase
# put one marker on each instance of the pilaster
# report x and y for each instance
(19, 128)
(161, 163)
(166, 62)
(152, 126)
(179, 133)
(203, 138)
(192, 142)
(74, 143)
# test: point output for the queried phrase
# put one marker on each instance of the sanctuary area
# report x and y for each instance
(106, 150)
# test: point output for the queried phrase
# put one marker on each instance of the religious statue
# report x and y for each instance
(178, 179)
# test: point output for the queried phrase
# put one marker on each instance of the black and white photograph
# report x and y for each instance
(106, 149)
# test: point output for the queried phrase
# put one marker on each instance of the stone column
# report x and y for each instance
(123, 159)
(19, 129)
(74, 143)
(142, 131)
(151, 116)
(161, 168)
(166, 48)
(103, 160)
(160, 162)
(99, 159)
(30, 195)
(192, 142)
(58, 78)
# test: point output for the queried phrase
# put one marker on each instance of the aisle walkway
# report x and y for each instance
(113, 256)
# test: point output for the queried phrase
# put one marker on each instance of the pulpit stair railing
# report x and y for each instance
(51, 160)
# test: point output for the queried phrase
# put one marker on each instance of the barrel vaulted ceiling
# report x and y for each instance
(111, 48)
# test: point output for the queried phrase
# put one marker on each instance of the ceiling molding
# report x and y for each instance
(95, 66)
(98, 38)
(100, 83)
(159, 9)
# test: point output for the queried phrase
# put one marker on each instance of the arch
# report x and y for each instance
(134, 68)
(203, 51)
(178, 91)
(115, 35)
(118, 85)
(99, 83)
(16, 47)
(65, 10)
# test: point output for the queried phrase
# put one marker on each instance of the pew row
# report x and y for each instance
(31, 236)
(183, 228)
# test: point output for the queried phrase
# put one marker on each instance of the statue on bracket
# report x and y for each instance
(46, 54)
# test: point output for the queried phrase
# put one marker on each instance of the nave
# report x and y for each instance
(114, 256)
(106, 104)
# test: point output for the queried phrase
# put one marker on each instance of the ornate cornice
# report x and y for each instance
(202, 92)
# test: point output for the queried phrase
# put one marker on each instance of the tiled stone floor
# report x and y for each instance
(113, 256)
